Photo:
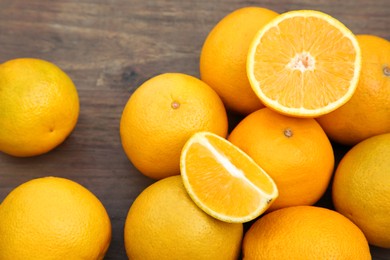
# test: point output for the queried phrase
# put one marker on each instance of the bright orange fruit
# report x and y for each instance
(305, 233)
(224, 54)
(164, 223)
(53, 218)
(161, 115)
(361, 188)
(304, 63)
(224, 181)
(39, 107)
(295, 152)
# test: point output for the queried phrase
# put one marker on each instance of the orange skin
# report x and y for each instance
(295, 152)
(361, 188)
(53, 218)
(305, 232)
(164, 223)
(224, 54)
(161, 115)
(39, 107)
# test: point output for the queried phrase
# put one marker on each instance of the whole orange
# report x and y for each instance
(224, 54)
(161, 115)
(53, 218)
(367, 113)
(39, 106)
(164, 223)
(295, 152)
(305, 232)
(361, 188)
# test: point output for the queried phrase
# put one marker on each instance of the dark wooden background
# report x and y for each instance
(109, 48)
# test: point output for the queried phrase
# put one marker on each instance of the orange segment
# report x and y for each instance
(224, 181)
(304, 63)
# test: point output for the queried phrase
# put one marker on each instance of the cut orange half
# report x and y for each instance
(223, 180)
(304, 63)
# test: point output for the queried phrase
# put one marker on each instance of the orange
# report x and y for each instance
(224, 181)
(305, 232)
(161, 115)
(224, 53)
(361, 188)
(304, 63)
(367, 113)
(39, 106)
(164, 223)
(53, 218)
(295, 152)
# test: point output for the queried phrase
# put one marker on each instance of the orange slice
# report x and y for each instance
(223, 180)
(304, 63)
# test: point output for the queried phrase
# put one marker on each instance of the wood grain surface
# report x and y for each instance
(109, 48)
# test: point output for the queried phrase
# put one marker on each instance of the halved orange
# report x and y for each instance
(223, 180)
(304, 63)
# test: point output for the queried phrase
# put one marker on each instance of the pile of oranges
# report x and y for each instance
(300, 80)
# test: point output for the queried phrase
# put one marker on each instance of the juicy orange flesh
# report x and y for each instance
(323, 73)
(214, 177)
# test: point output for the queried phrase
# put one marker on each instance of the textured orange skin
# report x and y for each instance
(224, 54)
(300, 165)
(39, 107)
(161, 115)
(164, 223)
(367, 113)
(361, 188)
(305, 232)
(53, 218)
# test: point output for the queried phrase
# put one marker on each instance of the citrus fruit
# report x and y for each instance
(39, 106)
(164, 223)
(361, 188)
(224, 53)
(305, 232)
(161, 115)
(53, 218)
(304, 63)
(224, 181)
(367, 113)
(295, 152)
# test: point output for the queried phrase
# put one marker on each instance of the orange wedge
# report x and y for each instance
(304, 63)
(223, 180)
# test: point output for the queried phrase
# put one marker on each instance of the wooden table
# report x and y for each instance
(109, 48)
